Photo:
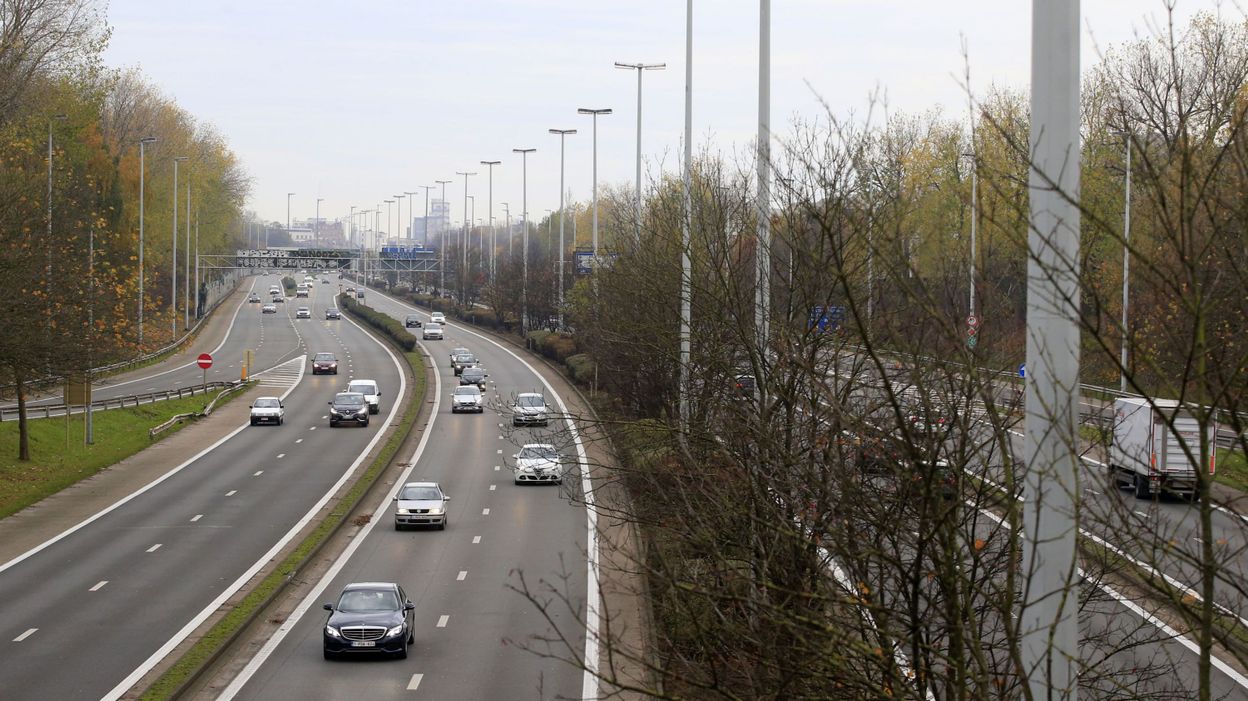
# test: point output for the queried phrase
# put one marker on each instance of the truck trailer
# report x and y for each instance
(1151, 453)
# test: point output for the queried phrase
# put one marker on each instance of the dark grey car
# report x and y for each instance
(369, 617)
(348, 406)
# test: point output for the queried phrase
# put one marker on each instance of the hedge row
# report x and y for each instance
(289, 283)
(382, 322)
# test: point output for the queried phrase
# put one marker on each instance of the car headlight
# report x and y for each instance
(400, 511)
(394, 631)
(362, 412)
(332, 632)
(436, 512)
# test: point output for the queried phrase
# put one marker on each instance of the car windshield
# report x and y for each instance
(324, 356)
(421, 493)
(349, 399)
(266, 403)
(531, 401)
(413, 317)
(433, 327)
(464, 358)
(467, 392)
(474, 372)
(362, 387)
(363, 600)
(532, 452)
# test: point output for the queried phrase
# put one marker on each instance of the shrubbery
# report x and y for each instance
(289, 283)
(382, 322)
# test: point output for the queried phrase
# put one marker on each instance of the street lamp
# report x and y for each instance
(411, 215)
(47, 273)
(317, 224)
(686, 264)
(640, 68)
(173, 297)
(1126, 270)
(511, 240)
(762, 282)
(442, 239)
(562, 133)
(186, 266)
(595, 114)
(524, 251)
(493, 233)
(266, 232)
(142, 145)
(463, 273)
(389, 230)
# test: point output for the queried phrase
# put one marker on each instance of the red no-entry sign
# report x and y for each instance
(204, 360)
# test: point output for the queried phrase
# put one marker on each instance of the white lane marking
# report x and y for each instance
(497, 468)
(476, 539)
(501, 438)
(281, 455)
(493, 486)
(258, 473)
(99, 585)
(414, 684)
(463, 574)
(500, 451)
(196, 517)
(485, 512)
(442, 621)
(298, 440)
(29, 632)
(312, 428)
(231, 493)
(315, 594)
(1141, 513)
(154, 548)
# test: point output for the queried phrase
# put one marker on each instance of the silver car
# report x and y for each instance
(530, 409)
(420, 504)
(467, 399)
(268, 410)
(538, 462)
(432, 331)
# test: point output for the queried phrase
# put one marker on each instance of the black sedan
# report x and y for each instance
(348, 406)
(411, 321)
(369, 617)
(332, 313)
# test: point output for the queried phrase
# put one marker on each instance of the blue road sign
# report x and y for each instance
(1022, 370)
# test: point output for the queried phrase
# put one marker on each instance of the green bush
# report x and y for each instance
(290, 284)
(382, 322)
(581, 367)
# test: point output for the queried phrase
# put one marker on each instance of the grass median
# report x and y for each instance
(184, 672)
(60, 457)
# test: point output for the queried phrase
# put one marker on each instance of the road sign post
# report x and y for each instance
(204, 361)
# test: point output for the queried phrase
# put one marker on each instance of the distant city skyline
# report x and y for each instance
(325, 100)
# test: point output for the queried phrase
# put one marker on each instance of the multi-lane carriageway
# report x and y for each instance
(93, 608)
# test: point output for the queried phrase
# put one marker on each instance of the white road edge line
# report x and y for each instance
(237, 584)
(589, 680)
(126, 499)
(252, 666)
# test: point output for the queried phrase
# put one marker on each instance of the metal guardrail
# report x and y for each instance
(49, 410)
(132, 362)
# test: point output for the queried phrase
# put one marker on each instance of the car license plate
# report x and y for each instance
(363, 643)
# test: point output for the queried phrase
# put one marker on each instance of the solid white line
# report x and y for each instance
(231, 493)
(414, 684)
(442, 621)
(476, 539)
(589, 680)
(154, 548)
(99, 585)
(196, 517)
(314, 596)
(237, 584)
(124, 500)
(25, 635)
(463, 574)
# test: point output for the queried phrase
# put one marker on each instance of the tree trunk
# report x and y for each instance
(23, 433)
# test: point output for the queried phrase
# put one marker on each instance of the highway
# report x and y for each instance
(468, 623)
(116, 592)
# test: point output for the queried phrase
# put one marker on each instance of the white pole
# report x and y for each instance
(762, 290)
(186, 282)
(173, 296)
(686, 265)
(1048, 619)
(1126, 274)
(974, 220)
(142, 179)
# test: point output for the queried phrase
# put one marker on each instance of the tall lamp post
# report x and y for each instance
(762, 290)
(1126, 271)
(186, 267)
(686, 217)
(173, 297)
(142, 146)
(266, 233)
(442, 239)
(463, 270)
(595, 114)
(524, 250)
(426, 188)
(493, 234)
(640, 68)
(562, 133)
(411, 215)
(47, 273)
(511, 241)
(317, 224)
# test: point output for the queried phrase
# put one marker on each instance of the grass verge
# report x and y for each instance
(1232, 469)
(183, 672)
(59, 456)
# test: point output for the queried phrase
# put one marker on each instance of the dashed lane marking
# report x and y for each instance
(476, 539)
(99, 585)
(29, 632)
(463, 574)
(442, 621)
(154, 548)
(196, 517)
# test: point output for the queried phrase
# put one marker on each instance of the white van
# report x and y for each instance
(372, 394)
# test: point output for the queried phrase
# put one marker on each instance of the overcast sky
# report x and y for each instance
(356, 102)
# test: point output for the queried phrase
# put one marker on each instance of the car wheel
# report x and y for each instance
(517, 480)
(329, 655)
(398, 526)
(1141, 488)
(281, 420)
(374, 410)
(402, 654)
(365, 424)
(333, 424)
(253, 422)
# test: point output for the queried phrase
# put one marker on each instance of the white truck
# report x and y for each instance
(1150, 455)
